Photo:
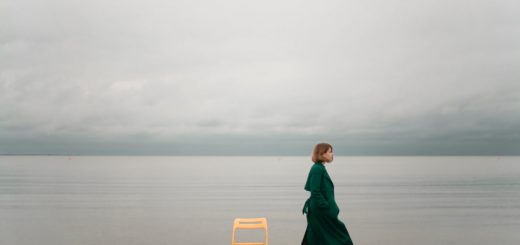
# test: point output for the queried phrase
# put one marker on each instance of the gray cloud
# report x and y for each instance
(235, 77)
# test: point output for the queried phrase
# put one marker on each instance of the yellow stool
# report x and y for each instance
(254, 223)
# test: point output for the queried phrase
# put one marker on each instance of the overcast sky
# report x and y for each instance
(260, 77)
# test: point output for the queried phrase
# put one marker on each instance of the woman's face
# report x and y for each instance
(328, 156)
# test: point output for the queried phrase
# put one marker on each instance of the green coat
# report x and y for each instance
(323, 225)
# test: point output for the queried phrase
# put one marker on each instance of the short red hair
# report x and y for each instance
(319, 150)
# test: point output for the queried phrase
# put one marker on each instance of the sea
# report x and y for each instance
(155, 200)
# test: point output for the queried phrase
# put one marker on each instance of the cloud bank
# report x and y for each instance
(266, 77)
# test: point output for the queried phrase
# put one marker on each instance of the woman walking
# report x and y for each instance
(323, 225)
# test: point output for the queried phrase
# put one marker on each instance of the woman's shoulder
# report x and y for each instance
(317, 168)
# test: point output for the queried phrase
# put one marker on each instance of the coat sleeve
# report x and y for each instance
(315, 188)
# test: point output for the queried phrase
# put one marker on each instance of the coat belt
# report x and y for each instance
(306, 206)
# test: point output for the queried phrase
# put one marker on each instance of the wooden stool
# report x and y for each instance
(254, 223)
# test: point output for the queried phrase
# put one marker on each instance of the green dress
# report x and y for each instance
(323, 225)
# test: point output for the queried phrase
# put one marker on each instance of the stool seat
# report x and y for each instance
(248, 224)
(249, 243)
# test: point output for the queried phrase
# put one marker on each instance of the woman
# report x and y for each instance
(323, 225)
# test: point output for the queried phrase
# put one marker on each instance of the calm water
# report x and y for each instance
(193, 200)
